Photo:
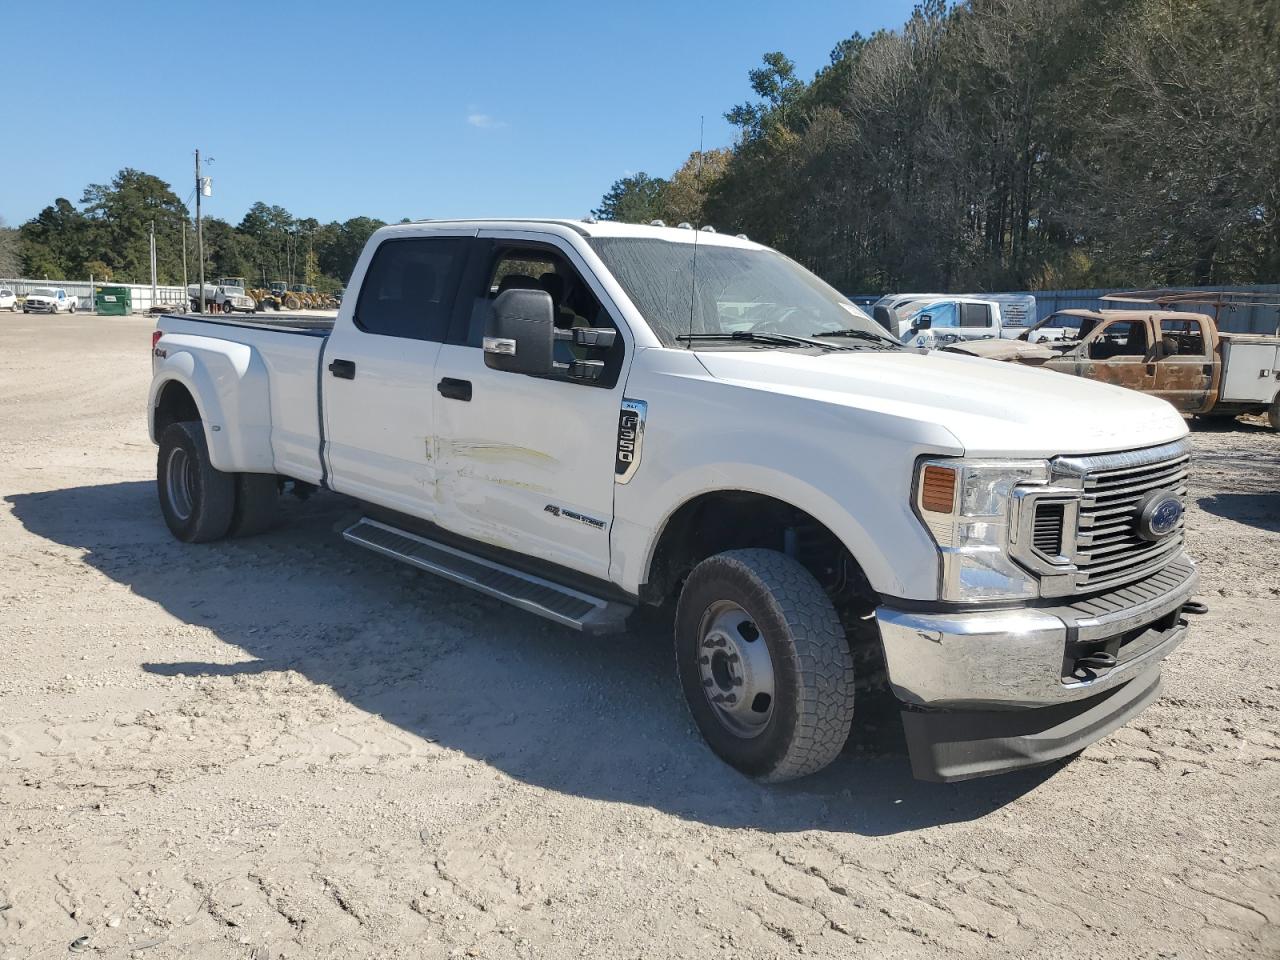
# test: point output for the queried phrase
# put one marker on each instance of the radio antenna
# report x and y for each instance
(697, 229)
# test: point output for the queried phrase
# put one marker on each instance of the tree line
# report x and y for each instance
(1008, 144)
(106, 236)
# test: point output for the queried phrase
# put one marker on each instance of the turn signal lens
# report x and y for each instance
(938, 489)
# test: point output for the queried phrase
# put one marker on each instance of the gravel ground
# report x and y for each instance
(288, 747)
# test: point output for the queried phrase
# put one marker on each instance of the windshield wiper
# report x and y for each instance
(856, 334)
(777, 339)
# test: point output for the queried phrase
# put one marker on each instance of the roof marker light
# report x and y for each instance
(657, 223)
(708, 229)
(684, 225)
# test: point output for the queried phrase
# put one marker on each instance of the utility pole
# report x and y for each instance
(186, 294)
(154, 295)
(199, 234)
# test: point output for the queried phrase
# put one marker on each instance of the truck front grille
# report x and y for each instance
(1109, 549)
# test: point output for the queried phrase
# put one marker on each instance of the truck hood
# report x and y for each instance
(991, 408)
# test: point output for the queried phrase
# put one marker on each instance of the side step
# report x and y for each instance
(534, 594)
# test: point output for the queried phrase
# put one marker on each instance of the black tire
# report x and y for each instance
(810, 712)
(196, 498)
(1274, 413)
(257, 499)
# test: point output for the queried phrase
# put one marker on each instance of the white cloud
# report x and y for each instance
(484, 121)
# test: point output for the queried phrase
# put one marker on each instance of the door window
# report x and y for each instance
(943, 314)
(1182, 338)
(975, 314)
(1121, 338)
(574, 304)
(409, 287)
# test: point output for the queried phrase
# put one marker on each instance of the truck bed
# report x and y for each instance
(304, 324)
(264, 373)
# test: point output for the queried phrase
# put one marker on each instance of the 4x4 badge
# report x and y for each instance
(630, 439)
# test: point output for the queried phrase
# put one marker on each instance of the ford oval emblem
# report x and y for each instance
(1158, 514)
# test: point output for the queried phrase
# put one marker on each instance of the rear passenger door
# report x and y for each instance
(1184, 369)
(976, 322)
(379, 395)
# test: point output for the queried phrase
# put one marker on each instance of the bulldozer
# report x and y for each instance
(275, 296)
(313, 299)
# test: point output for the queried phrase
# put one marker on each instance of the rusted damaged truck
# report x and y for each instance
(1177, 355)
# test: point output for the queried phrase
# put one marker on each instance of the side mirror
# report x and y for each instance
(520, 335)
(924, 321)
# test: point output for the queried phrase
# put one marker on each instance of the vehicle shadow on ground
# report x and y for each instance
(597, 718)
(1261, 510)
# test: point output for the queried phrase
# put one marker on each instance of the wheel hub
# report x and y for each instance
(180, 480)
(736, 669)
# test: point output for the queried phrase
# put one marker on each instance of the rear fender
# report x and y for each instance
(229, 384)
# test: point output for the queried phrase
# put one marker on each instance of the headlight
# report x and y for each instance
(965, 504)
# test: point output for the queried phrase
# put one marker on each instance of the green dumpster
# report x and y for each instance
(114, 301)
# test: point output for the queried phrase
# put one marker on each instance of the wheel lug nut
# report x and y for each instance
(733, 658)
(731, 698)
(704, 660)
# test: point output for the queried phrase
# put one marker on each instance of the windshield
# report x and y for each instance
(738, 291)
(43, 292)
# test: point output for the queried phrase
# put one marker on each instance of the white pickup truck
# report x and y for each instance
(581, 418)
(49, 300)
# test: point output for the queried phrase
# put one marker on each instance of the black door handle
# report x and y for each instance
(454, 389)
(343, 369)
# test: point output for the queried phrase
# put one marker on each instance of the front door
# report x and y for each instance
(379, 395)
(1117, 351)
(527, 463)
(1184, 369)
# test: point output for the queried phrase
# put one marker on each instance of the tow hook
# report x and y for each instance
(1195, 606)
(1100, 660)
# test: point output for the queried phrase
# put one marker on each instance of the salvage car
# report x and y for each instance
(577, 418)
(1179, 356)
(8, 299)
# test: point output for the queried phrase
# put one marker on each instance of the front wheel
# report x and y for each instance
(197, 499)
(1274, 413)
(764, 664)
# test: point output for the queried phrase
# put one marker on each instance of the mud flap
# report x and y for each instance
(946, 746)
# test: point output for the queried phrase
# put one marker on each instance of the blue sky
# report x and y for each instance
(388, 109)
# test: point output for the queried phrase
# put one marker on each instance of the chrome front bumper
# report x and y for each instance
(1025, 657)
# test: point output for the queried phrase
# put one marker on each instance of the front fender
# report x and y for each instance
(229, 384)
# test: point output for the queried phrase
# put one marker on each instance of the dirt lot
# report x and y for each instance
(287, 747)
